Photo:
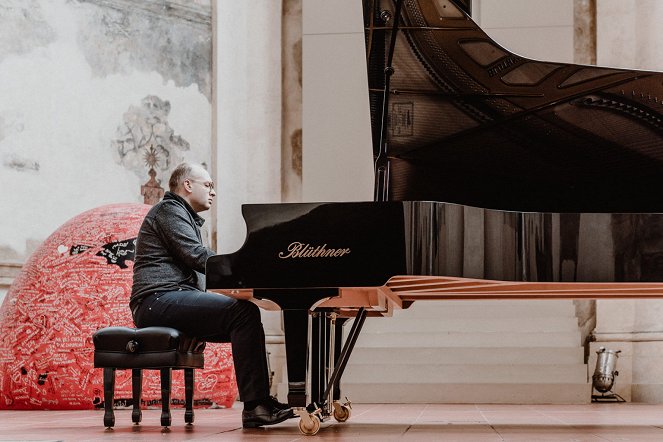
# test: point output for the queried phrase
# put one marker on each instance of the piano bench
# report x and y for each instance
(153, 348)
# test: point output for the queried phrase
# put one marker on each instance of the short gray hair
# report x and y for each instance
(180, 173)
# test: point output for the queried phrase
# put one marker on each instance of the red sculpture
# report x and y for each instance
(77, 281)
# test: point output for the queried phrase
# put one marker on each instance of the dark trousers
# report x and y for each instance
(215, 318)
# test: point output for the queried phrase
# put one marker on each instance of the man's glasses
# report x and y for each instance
(209, 185)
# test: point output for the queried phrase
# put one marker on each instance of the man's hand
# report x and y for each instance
(247, 295)
(244, 295)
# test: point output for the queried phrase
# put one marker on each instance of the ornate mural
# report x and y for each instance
(146, 139)
(95, 94)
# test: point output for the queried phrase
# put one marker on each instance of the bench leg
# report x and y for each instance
(137, 389)
(188, 395)
(109, 393)
(165, 396)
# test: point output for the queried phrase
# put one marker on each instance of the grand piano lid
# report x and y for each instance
(474, 124)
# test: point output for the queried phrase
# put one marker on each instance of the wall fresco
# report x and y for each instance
(145, 138)
(23, 27)
(71, 72)
(147, 34)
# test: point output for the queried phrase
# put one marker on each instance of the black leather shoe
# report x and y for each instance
(265, 414)
(276, 404)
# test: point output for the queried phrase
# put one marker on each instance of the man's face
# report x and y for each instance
(201, 188)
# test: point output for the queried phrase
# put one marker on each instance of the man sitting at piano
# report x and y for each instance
(168, 291)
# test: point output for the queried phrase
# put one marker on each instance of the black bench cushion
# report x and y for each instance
(149, 347)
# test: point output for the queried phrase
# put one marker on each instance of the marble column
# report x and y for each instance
(584, 32)
(248, 119)
(628, 36)
(337, 145)
(291, 143)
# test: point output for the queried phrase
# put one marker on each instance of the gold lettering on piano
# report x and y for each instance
(301, 250)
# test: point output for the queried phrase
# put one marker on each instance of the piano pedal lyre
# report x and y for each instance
(340, 411)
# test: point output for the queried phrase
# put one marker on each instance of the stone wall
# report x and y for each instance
(628, 36)
(93, 92)
(539, 29)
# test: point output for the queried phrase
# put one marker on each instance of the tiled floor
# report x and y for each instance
(415, 422)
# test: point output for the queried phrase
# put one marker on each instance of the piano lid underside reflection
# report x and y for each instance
(474, 124)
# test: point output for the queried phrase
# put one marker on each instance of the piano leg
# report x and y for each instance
(318, 355)
(295, 324)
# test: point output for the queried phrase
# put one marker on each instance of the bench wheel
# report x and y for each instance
(309, 425)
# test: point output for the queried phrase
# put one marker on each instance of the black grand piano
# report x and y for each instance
(554, 158)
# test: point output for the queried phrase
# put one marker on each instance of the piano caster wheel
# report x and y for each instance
(309, 424)
(341, 412)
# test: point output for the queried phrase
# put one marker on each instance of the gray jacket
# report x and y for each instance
(170, 254)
